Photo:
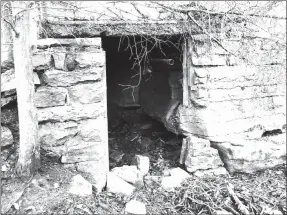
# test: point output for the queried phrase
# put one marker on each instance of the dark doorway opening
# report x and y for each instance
(134, 125)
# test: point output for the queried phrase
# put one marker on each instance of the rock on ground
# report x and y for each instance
(6, 137)
(142, 163)
(135, 207)
(247, 155)
(128, 173)
(174, 178)
(117, 185)
(80, 186)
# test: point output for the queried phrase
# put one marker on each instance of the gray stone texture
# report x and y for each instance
(71, 103)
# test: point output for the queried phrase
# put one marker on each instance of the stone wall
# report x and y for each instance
(71, 102)
(232, 102)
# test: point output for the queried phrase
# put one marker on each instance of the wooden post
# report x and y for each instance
(6, 32)
(186, 69)
(29, 153)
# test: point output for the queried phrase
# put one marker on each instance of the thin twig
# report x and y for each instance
(16, 33)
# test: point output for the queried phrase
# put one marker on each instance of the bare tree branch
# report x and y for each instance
(16, 33)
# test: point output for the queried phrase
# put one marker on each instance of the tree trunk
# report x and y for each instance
(6, 33)
(29, 153)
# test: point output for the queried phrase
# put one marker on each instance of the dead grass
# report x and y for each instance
(257, 192)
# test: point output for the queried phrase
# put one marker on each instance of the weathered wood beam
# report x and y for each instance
(29, 153)
(72, 29)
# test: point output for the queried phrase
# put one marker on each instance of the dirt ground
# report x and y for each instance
(47, 191)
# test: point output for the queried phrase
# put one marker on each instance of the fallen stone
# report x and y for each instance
(178, 172)
(175, 178)
(128, 173)
(118, 186)
(248, 156)
(6, 137)
(80, 186)
(169, 183)
(96, 172)
(142, 163)
(135, 207)
(117, 156)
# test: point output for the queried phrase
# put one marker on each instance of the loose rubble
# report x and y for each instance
(135, 207)
(119, 186)
(128, 173)
(174, 178)
(142, 163)
(80, 186)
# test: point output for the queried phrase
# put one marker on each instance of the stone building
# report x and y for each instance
(223, 104)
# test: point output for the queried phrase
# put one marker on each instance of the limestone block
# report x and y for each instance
(142, 163)
(226, 77)
(62, 79)
(75, 112)
(6, 137)
(58, 42)
(248, 156)
(128, 173)
(56, 134)
(96, 171)
(239, 116)
(59, 60)
(135, 207)
(42, 60)
(87, 93)
(249, 92)
(210, 60)
(174, 178)
(117, 185)
(77, 150)
(50, 96)
(93, 129)
(197, 154)
(87, 59)
(54, 151)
